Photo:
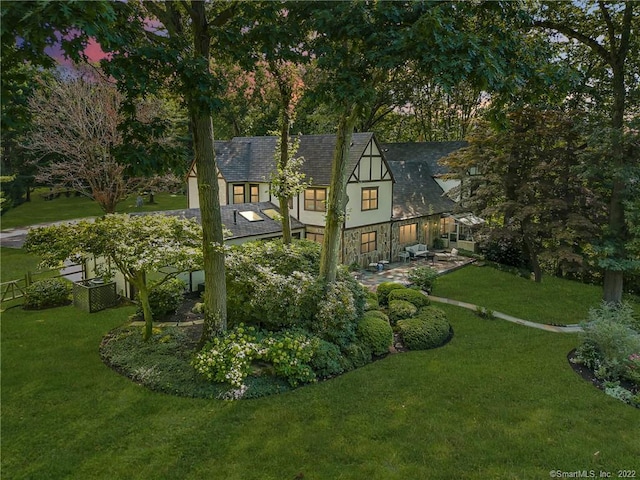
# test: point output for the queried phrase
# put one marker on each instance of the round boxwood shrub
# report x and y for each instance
(376, 333)
(52, 292)
(421, 334)
(431, 313)
(384, 289)
(399, 309)
(414, 297)
(377, 314)
(165, 299)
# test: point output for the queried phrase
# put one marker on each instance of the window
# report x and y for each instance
(252, 216)
(408, 233)
(254, 193)
(238, 194)
(369, 198)
(368, 242)
(315, 237)
(314, 199)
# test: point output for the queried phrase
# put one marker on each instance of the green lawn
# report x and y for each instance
(554, 300)
(63, 208)
(499, 401)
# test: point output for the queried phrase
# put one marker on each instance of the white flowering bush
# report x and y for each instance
(268, 284)
(228, 359)
(290, 353)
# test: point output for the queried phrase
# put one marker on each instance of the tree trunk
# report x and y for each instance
(532, 253)
(215, 292)
(140, 282)
(613, 280)
(284, 159)
(337, 198)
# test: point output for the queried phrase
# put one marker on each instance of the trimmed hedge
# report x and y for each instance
(52, 292)
(399, 309)
(421, 334)
(371, 301)
(384, 289)
(432, 313)
(376, 333)
(377, 314)
(410, 295)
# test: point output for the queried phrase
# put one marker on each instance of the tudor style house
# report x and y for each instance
(394, 196)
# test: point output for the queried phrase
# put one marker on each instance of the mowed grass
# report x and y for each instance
(553, 301)
(39, 210)
(499, 401)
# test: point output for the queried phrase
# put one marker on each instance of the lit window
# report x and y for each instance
(238, 194)
(315, 199)
(315, 237)
(254, 193)
(272, 213)
(368, 242)
(369, 198)
(251, 216)
(409, 233)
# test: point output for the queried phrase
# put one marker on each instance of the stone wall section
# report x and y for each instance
(351, 245)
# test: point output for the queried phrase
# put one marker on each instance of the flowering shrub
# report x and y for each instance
(228, 359)
(259, 294)
(610, 339)
(337, 315)
(289, 353)
(48, 293)
(423, 277)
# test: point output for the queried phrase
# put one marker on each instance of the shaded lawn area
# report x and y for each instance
(553, 301)
(39, 210)
(16, 263)
(499, 401)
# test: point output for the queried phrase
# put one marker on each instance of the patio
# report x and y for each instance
(398, 271)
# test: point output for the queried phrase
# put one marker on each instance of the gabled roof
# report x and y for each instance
(239, 226)
(414, 167)
(252, 159)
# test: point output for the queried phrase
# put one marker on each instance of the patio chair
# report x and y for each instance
(454, 255)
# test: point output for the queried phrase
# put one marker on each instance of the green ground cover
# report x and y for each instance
(554, 300)
(498, 401)
(67, 208)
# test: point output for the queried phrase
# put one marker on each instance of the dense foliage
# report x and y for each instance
(611, 349)
(165, 299)
(375, 333)
(52, 292)
(384, 289)
(423, 278)
(424, 332)
(410, 295)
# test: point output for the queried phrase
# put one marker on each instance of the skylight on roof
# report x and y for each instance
(251, 216)
(272, 213)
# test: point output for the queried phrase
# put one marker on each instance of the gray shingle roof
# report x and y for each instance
(414, 166)
(252, 159)
(241, 227)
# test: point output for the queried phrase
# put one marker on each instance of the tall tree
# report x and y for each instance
(604, 41)
(77, 122)
(353, 40)
(171, 43)
(531, 185)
